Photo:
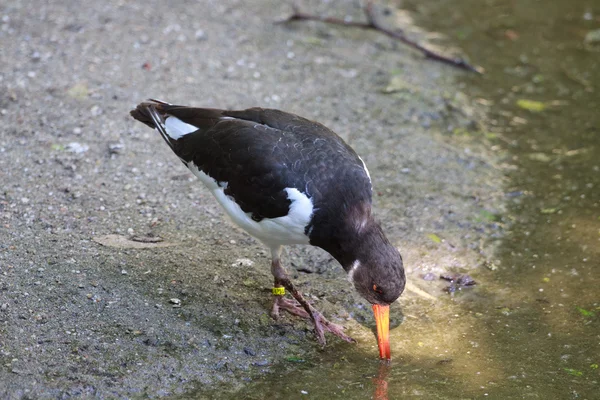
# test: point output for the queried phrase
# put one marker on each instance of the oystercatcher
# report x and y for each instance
(288, 180)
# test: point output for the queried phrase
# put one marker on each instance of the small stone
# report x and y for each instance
(243, 262)
(77, 148)
(593, 37)
(429, 276)
(200, 35)
(95, 111)
(115, 148)
(262, 363)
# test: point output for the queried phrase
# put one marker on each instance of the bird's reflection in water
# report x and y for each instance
(380, 381)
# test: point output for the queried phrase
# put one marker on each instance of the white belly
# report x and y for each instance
(288, 229)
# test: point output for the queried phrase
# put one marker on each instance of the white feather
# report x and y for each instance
(288, 229)
(176, 128)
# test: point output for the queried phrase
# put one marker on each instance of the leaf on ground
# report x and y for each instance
(434, 237)
(573, 371)
(548, 210)
(531, 105)
(540, 157)
(122, 242)
(398, 84)
(586, 313)
(489, 216)
(78, 91)
(313, 41)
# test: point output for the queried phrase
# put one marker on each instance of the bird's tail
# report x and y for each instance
(152, 113)
(177, 123)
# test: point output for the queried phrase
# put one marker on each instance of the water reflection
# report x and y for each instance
(381, 381)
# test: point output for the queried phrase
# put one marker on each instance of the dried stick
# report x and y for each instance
(372, 24)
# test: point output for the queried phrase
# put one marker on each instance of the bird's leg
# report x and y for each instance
(301, 307)
(291, 306)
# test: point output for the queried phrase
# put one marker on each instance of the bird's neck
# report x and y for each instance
(353, 241)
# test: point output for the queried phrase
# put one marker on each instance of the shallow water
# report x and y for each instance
(531, 328)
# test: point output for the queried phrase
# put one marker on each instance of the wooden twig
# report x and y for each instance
(372, 24)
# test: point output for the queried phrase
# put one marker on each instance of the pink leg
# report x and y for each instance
(300, 307)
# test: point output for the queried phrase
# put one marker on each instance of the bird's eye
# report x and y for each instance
(376, 290)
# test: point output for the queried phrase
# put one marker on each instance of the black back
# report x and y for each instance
(260, 152)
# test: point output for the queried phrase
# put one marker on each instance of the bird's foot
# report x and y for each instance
(322, 325)
(291, 306)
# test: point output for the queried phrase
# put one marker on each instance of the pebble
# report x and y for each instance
(115, 148)
(593, 37)
(262, 363)
(77, 148)
(95, 111)
(243, 262)
(200, 35)
(429, 276)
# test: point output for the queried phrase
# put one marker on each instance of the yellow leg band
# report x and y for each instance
(279, 291)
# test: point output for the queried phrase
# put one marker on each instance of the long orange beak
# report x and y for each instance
(382, 319)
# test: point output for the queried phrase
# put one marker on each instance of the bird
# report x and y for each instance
(288, 180)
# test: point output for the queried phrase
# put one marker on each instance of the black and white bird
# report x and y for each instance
(288, 180)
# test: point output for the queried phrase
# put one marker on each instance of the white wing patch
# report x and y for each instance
(176, 128)
(288, 229)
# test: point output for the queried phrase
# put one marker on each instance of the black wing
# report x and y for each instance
(260, 152)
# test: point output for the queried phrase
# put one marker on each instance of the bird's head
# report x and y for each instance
(378, 276)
